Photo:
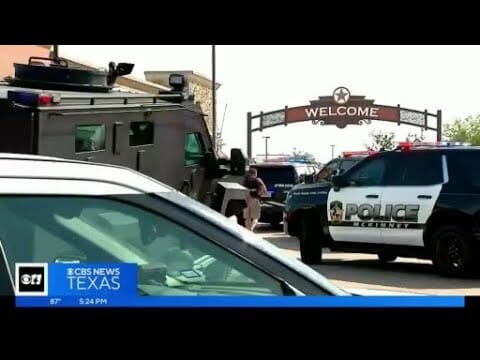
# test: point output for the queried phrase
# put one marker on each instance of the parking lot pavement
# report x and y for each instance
(365, 271)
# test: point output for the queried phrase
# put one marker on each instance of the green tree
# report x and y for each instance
(381, 141)
(416, 138)
(302, 155)
(465, 130)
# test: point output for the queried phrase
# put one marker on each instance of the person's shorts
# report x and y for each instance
(253, 210)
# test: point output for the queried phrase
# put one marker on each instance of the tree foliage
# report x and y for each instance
(380, 140)
(465, 130)
(303, 155)
(415, 137)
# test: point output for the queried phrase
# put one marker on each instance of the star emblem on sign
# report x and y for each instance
(341, 95)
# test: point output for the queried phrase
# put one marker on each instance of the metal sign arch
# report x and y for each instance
(342, 109)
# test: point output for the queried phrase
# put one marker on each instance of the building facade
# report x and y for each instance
(11, 54)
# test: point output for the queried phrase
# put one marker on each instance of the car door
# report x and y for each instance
(195, 153)
(353, 210)
(409, 196)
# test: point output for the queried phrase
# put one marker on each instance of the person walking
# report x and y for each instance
(256, 188)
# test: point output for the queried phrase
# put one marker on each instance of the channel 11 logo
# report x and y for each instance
(31, 279)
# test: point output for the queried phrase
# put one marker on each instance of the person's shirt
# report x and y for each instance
(254, 184)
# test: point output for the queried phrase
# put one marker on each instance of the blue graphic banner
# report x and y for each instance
(92, 280)
(115, 285)
(247, 301)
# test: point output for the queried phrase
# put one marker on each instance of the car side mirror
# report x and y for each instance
(338, 181)
(308, 179)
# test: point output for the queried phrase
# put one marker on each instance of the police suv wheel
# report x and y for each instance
(386, 257)
(310, 242)
(452, 251)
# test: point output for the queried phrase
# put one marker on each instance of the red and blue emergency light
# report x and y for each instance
(33, 99)
(358, 153)
(406, 145)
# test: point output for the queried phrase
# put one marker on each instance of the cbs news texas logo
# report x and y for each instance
(31, 279)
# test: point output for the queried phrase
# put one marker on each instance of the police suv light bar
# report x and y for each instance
(358, 153)
(405, 145)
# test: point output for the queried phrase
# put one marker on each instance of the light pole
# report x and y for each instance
(266, 146)
(214, 107)
(54, 51)
(333, 150)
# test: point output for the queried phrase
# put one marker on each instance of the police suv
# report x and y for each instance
(279, 178)
(421, 200)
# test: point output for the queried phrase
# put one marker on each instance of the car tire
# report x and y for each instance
(384, 257)
(452, 251)
(310, 242)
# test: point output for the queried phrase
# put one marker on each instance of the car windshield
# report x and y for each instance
(172, 259)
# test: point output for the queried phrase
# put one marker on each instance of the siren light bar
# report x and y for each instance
(358, 153)
(406, 145)
(33, 99)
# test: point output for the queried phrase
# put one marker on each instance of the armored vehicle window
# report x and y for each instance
(89, 138)
(194, 150)
(141, 133)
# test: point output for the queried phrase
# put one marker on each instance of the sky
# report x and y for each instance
(265, 78)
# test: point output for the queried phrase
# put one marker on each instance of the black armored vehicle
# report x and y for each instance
(49, 108)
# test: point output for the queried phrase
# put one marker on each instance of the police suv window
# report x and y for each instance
(371, 173)
(89, 138)
(326, 173)
(194, 149)
(302, 170)
(141, 133)
(416, 168)
(347, 164)
(463, 169)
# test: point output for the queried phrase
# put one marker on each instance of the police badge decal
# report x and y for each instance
(336, 211)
